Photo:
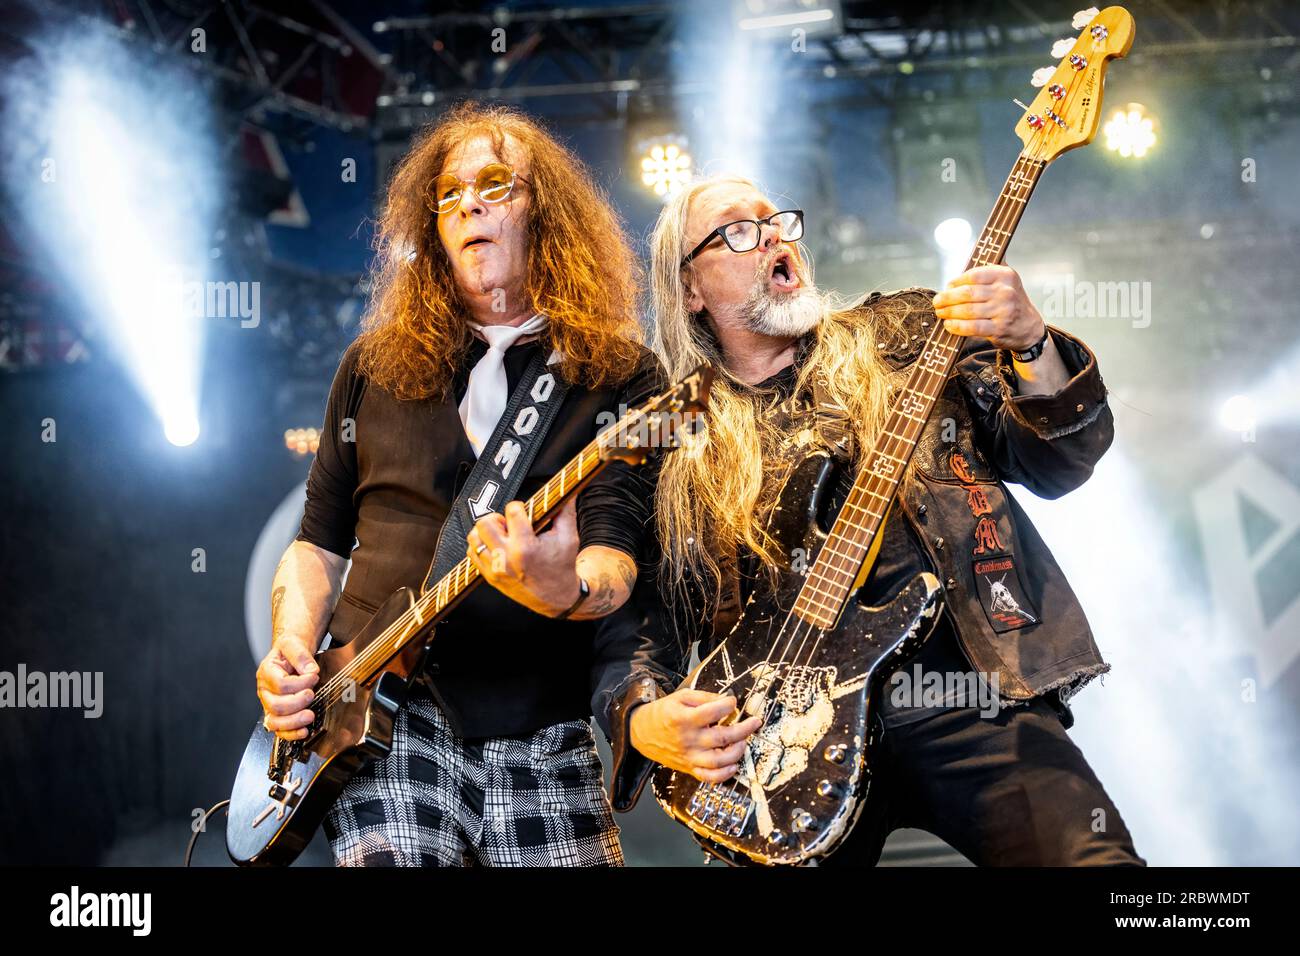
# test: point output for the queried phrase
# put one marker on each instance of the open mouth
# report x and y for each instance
(476, 241)
(783, 275)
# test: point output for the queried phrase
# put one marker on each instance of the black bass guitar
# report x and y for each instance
(806, 655)
(283, 789)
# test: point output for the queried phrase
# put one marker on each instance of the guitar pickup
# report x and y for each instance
(286, 753)
(314, 730)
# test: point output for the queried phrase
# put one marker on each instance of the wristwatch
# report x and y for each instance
(584, 592)
(1033, 351)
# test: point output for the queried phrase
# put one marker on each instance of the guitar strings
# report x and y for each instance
(778, 680)
(913, 383)
(862, 536)
(383, 648)
(1005, 213)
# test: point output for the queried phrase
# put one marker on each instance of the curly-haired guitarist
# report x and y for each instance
(498, 259)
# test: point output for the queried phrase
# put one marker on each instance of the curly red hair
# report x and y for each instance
(581, 269)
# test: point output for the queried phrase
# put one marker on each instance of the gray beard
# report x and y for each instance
(787, 317)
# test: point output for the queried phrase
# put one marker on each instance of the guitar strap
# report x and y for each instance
(507, 455)
(823, 422)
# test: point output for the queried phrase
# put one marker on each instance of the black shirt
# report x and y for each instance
(498, 668)
(900, 558)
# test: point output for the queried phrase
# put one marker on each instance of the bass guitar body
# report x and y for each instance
(806, 772)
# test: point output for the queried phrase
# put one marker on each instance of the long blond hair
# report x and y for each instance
(707, 502)
(581, 269)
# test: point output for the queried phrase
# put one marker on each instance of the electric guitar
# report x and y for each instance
(284, 788)
(806, 655)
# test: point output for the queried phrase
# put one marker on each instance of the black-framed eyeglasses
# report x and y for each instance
(743, 234)
(493, 184)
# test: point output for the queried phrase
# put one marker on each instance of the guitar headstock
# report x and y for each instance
(1066, 112)
(662, 422)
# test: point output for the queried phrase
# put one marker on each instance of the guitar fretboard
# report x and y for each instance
(433, 603)
(830, 580)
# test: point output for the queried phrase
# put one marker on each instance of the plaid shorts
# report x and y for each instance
(439, 800)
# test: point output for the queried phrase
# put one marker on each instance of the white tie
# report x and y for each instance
(485, 399)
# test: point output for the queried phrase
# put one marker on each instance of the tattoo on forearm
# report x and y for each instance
(627, 571)
(277, 626)
(601, 601)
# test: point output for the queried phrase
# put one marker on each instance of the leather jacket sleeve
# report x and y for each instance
(637, 659)
(1048, 443)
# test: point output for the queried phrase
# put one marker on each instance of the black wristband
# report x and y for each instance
(584, 592)
(1033, 351)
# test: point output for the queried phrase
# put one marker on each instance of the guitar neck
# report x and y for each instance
(830, 580)
(434, 603)
(653, 425)
(541, 507)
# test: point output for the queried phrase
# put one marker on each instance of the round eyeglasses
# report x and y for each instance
(743, 234)
(493, 184)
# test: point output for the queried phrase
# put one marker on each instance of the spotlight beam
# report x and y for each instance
(125, 211)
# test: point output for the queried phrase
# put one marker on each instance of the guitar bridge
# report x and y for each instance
(721, 808)
(285, 795)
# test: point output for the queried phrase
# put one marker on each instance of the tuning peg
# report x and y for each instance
(1084, 17)
(1033, 119)
(1062, 46)
(1042, 75)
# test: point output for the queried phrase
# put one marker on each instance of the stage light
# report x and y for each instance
(730, 121)
(132, 243)
(1130, 132)
(787, 20)
(780, 18)
(1272, 398)
(181, 428)
(302, 441)
(666, 167)
(952, 236)
(126, 215)
(1238, 414)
